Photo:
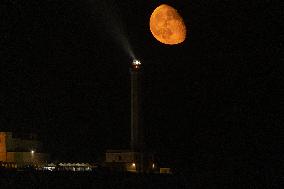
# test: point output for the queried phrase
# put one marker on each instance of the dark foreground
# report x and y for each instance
(37, 179)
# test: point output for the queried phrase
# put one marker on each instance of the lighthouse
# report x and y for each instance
(136, 142)
(135, 159)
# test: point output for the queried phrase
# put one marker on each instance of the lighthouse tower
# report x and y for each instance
(136, 127)
(136, 159)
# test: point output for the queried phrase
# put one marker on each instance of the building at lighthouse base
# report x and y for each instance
(127, 160)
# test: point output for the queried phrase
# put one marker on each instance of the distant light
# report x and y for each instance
(32, 151)
(153, 166)
(136, 62)
(133, 165)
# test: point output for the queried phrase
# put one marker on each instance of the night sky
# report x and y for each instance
(211, 103)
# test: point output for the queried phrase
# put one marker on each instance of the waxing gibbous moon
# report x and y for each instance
(167, 25)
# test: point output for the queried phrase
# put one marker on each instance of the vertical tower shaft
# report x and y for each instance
(136, 129)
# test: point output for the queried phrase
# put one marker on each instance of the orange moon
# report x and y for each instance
(167, 25)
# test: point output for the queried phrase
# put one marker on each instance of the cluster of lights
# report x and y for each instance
(136, 62)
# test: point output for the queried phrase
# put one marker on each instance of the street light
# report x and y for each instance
(32, 156)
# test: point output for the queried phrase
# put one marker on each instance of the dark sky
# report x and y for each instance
(214, 100)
